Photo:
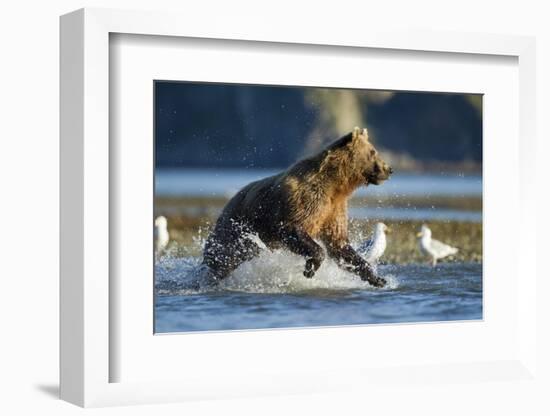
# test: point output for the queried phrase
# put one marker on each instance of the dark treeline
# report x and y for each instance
(238, 126)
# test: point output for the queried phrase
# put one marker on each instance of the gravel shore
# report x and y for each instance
(187, 234)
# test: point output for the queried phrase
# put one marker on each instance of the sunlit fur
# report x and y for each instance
(321, 185)
(306, 202)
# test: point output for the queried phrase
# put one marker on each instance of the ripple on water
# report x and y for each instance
(271, 272)
(271, 292)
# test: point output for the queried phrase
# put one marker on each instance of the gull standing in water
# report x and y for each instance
(162, 237)
(433, 248)
(374, 247)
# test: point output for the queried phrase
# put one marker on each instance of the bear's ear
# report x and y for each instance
(356, 133)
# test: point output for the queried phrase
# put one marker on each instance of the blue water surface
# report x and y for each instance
(415, 293)
(226, 182)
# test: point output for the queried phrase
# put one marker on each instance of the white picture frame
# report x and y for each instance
(86, 352)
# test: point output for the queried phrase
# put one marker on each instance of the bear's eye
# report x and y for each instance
(372, 152)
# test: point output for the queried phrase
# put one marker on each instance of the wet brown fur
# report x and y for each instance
(306, 202)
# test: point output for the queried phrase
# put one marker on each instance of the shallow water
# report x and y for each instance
(226, 182)
(362, 213)
(271, 292)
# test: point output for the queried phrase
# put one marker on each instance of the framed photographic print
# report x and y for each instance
(273, 211)
(242, 213)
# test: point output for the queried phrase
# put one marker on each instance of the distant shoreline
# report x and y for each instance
(468, 168)
(174, 204)
(187, 232)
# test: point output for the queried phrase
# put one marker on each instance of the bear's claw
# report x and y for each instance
(309, 273)
(377, 282)
(311, 267)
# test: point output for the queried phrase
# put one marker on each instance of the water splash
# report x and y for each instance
(276, 271)
(179, 272)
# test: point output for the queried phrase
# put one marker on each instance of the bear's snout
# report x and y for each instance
(384, 170)
(380, 172)
(388, 170)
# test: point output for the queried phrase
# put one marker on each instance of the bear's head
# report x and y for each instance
(354, 159)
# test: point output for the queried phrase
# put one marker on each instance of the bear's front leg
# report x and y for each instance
(350, 260)
(299, 242)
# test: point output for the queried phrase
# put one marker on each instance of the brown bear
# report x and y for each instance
(298, 207)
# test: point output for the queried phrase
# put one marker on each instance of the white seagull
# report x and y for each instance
(162, 237)
(433, 248)
(374, 247)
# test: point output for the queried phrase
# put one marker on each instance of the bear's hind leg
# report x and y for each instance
(227, 256)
